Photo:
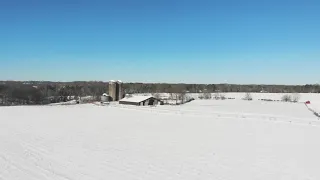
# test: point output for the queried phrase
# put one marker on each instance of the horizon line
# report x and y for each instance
(314, 84)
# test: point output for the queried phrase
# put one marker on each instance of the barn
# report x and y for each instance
(141, 101)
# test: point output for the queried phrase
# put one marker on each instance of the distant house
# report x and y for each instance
(141, 101)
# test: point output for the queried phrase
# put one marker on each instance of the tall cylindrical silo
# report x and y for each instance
(120, 90)
(113, 90)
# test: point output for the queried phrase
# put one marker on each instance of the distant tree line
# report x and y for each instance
(42, 92)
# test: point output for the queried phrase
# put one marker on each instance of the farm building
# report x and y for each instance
(141, 101)
(105, 98)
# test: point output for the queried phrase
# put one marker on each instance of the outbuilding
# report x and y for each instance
(105, 98)
(141, 101)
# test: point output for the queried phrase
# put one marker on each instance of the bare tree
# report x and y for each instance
(171, 96)
(222, 96)
(286, 98)
(207, 95)
(178, 93)
(182, 96)
(174, 96)
(247, 97)
(156, 95)
(295, 97)
(216, 96)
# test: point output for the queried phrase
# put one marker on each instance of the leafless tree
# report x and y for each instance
(182, 96)
(207, 95)
(200, 96)
(178, 93)
(286, 98)
(222, 96)
(171, 96)
(156, 95)
(295, 97)
(247, 97)
(174, 96)
(216, 96)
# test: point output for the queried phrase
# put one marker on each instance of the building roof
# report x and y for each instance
(136, 98)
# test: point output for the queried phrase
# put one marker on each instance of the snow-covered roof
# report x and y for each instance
(136, 98)
(105, 94)
(119, 81)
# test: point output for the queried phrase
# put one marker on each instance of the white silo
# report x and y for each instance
(113, 90)
(119, 90)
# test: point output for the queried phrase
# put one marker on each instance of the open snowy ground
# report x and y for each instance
(303, 97)
(207, 139)
(313, 97)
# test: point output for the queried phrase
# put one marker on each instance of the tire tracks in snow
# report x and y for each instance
(9, 164)
(40, 164)
(223, 115)
(313, 111)
(44, 162)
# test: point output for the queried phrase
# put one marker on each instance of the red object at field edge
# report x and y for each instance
(308, 102)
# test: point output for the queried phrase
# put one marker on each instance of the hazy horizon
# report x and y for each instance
(151, 82)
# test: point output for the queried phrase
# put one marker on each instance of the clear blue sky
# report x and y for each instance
(225, 41)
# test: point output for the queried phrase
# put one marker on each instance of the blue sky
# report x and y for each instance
(225, 41)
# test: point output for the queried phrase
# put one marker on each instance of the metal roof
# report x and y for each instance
(135, 98)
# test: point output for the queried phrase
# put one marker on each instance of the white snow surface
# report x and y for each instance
(313, 97)
(204, 139)
(72, 102)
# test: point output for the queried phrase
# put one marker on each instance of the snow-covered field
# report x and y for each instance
(204, 139)
(303, 97)
(239, 95)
